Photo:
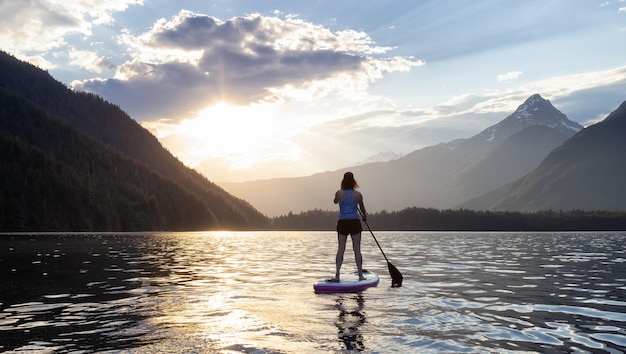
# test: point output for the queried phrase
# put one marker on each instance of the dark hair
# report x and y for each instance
(348, 181)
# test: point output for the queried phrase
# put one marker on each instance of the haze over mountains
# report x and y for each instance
(74, 162)
(474, 173)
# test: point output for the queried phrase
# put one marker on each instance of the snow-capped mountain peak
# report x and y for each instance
(381, 157)
(534, 111)
(525, 111)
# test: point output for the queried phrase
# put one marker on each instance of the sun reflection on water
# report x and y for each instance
(252, 292)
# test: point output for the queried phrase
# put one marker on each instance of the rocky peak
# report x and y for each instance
(534, 111)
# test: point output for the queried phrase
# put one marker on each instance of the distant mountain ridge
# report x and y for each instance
(87, 122)
(439, 176)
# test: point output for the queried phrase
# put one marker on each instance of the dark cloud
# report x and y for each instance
(166, 90)
(589, 105)
(105, 64)
(201, 32)
(242, 60)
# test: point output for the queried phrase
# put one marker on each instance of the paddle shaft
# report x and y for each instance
(396, 276)
(370, 230)
(378, 244)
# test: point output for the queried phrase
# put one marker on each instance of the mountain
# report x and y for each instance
(507, 150)
(87, 155)
(439, 176)
(380, 157)
(586, 172)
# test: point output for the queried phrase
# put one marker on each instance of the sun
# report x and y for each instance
(241, 135)
(238, 142)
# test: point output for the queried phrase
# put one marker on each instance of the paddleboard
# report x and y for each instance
(349, 283)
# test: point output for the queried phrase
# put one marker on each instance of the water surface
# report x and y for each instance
(247, 292)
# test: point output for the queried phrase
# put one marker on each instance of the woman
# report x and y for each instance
(349, 201)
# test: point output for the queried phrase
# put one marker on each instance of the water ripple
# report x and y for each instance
(251, 292)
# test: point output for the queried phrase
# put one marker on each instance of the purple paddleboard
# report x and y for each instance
(349, 283)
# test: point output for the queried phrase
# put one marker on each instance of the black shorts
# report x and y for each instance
(349, 226)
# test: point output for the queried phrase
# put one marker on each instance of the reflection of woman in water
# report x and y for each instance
(349, 223)
(349, 321)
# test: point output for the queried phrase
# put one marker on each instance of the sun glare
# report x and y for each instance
(241, 134)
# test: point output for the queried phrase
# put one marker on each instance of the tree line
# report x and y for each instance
(430, 219)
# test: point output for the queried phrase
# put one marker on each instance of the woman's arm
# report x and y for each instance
(363, 211)
(359, 198)
(339, 195)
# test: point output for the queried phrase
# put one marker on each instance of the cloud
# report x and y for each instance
(561, 86)
(584, 98)
(510, 76)
(185, 64)
(89, 60)
(45, 29)
(609, 83)
(38, 26)
(591, 105)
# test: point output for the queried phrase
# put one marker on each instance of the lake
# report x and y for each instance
(251, 292)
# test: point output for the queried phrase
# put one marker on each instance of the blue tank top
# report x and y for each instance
(348, 207)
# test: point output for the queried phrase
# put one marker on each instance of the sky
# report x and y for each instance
(246, 90)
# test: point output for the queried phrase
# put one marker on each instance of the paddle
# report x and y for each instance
(396, 276)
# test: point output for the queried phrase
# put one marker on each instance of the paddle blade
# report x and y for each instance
(396, 276)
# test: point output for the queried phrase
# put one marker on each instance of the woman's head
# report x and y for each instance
(348, 181)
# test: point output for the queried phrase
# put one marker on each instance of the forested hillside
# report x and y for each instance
(72, 161)
(56, 178)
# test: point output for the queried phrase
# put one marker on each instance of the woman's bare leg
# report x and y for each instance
(341, 248)
(356, 246)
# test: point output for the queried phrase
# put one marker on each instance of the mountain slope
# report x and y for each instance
(56, 178)
(505, 162)
(117, 131)
(509, 149)
(586, 172)
(440, 176)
